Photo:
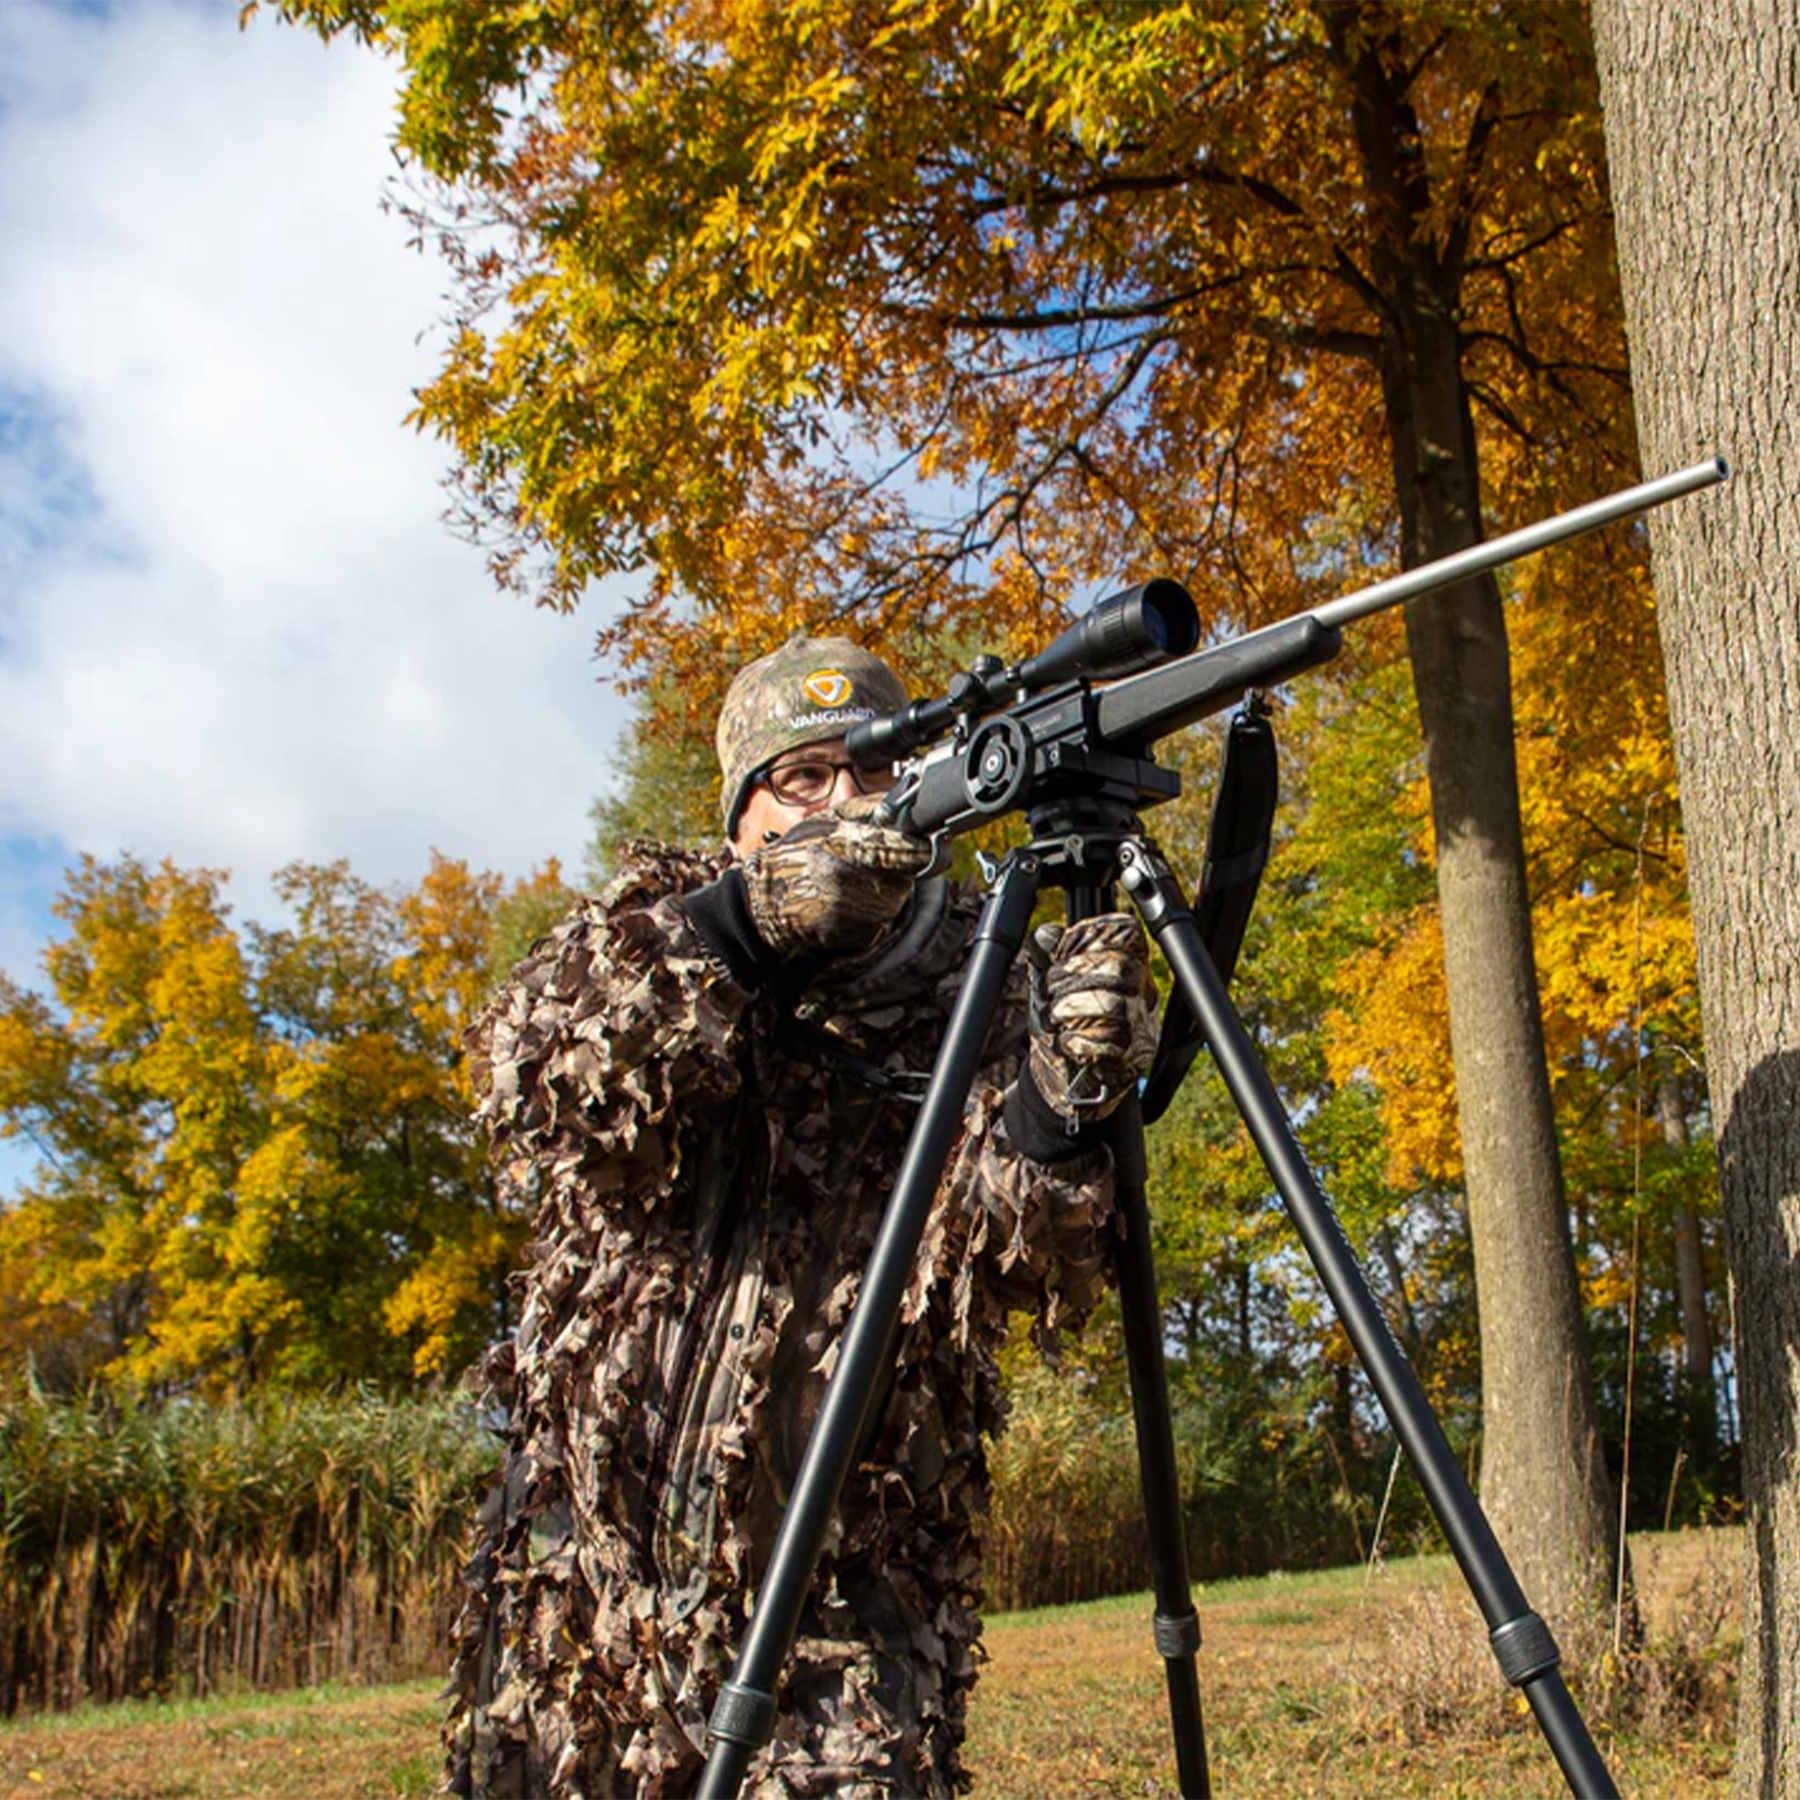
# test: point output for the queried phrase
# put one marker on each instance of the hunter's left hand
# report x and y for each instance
(1093, 1013)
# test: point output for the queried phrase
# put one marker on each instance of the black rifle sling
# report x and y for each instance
(1237, 848)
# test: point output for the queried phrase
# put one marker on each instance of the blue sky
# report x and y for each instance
(233, 630)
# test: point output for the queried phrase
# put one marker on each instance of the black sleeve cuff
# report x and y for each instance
(720, 913)
(1037, 1130)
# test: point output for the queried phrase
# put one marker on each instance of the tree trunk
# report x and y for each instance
(1703, 133)
(1543, 1478)
(1406, 1321)
(1698, 1405)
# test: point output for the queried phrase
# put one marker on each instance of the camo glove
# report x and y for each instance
(832, 885)
(1093, 1014)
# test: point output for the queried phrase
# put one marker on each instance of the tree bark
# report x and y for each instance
(1543, 1477)
(1702, 111)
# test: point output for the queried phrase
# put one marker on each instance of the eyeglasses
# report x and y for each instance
(812, 779)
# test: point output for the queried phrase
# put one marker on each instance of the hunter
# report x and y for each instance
(703, 1082)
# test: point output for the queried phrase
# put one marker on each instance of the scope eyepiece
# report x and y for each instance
(1119, 635)
(876, 742)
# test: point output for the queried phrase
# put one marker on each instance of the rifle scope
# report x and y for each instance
(1128, 631)
(1124, 633)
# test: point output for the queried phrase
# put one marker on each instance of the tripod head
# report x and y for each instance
(1039, 737)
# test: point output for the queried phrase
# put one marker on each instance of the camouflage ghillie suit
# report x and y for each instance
(708, 1191)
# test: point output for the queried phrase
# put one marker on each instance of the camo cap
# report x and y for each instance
(808, 690)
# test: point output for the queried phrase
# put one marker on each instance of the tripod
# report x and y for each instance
(1037, 739)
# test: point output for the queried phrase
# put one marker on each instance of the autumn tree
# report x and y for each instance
(78, 1244)
(143, 1086)
(389, 1217)
(529, 910)
(1607, 872)
(1703, 132)
(256, 1157)
(842, 308)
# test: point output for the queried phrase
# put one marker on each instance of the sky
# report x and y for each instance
(233, 629)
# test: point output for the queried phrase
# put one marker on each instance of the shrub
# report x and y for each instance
(1260, 1489)
(1437, 1679)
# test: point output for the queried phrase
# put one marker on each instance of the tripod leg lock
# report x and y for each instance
(1176, 1634)
(1524, 1648)
(742, 1715)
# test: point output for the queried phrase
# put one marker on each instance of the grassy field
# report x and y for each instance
(1313, 1685)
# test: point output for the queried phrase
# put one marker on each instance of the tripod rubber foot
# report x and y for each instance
(1524, 1648)
(742, 1715)
(1177, 1635)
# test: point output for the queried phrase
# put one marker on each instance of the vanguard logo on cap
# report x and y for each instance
(811, 689)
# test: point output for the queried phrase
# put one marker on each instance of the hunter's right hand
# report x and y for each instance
(834, 884)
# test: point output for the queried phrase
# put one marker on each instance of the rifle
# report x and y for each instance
(1010, 728)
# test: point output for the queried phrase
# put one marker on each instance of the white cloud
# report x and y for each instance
(232, 627)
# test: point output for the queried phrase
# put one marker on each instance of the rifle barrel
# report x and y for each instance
(1479, 558)
(1142, 708)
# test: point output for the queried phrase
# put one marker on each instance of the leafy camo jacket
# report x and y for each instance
(706, 1199)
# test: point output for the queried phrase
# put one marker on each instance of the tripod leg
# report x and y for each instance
(744, 1715)
(1176, 1624)
(1521, 1642)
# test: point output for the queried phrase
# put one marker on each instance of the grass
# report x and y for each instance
(370, 1743)
(1071, 1702)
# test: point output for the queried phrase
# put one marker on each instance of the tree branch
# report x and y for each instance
(1545, 365)
(992, 520)
(1481, 130)
(1412, 71)
(1485, 397)
(1481, 264)
(1332, 340)
(1061, 317)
